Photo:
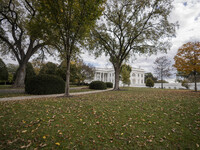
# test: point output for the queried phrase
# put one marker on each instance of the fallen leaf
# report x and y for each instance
(57, 144)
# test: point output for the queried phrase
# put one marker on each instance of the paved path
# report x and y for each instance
(48, 96)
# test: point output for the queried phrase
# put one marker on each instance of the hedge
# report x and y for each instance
(109, 84)
(98, 85)
(149, 82)
(45, 84)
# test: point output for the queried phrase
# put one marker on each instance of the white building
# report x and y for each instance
(108, 75)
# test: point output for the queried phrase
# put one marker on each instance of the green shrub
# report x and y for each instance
(44, 84)
(98, 85)
(109, 84)
(149, 82)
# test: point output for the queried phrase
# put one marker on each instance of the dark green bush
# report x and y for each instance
(109, 84)
(98, 85)
(149, 82)
(45, 84)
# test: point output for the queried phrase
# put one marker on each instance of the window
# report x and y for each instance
(142, 75)
(133, 81)
(133, 74)
(141, 81)
(138, 75)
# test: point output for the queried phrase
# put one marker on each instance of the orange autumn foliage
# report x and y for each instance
(187, 60)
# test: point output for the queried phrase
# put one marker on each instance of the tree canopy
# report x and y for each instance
(49, 68)
(187, 59)
(150, 75)
(132, 26)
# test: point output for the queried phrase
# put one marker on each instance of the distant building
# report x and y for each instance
(108, 75)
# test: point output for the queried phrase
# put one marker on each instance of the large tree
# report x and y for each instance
(132, 26)
(66, 23)
(15, 15)
(162, 68)
(187, 60)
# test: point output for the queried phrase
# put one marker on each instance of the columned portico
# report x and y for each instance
(108, 75)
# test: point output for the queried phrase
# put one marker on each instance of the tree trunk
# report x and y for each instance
(67, 78)
(20, 76)
(161, 82)
(195, 82)
(117, 71)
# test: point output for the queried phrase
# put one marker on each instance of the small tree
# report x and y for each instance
(12, 68)
(66, 23)
(49, 68)
(150, 75)
(79, 71)
(162, 68)
(149, 82)
(125, 74)
(3, 71)
(187, 60)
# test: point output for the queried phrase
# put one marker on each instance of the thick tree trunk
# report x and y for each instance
(67, 79)
(117, 72)
(195, 82)
(20, 76)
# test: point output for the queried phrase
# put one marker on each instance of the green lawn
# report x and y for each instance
(5, 86)
(4, 95)
(135, 118)
(80, 90)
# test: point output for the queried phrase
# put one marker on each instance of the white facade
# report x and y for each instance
(108, 75)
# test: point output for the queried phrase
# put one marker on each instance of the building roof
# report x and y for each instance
(112, 69)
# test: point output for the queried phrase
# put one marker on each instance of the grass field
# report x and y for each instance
(135, 118)
(5, 86)
(4, 95)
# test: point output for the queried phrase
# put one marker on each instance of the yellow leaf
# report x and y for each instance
(44, 137)
(57, 144)
(24, 131)
(197, 145)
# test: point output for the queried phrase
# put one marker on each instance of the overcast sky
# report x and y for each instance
(186, 12)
